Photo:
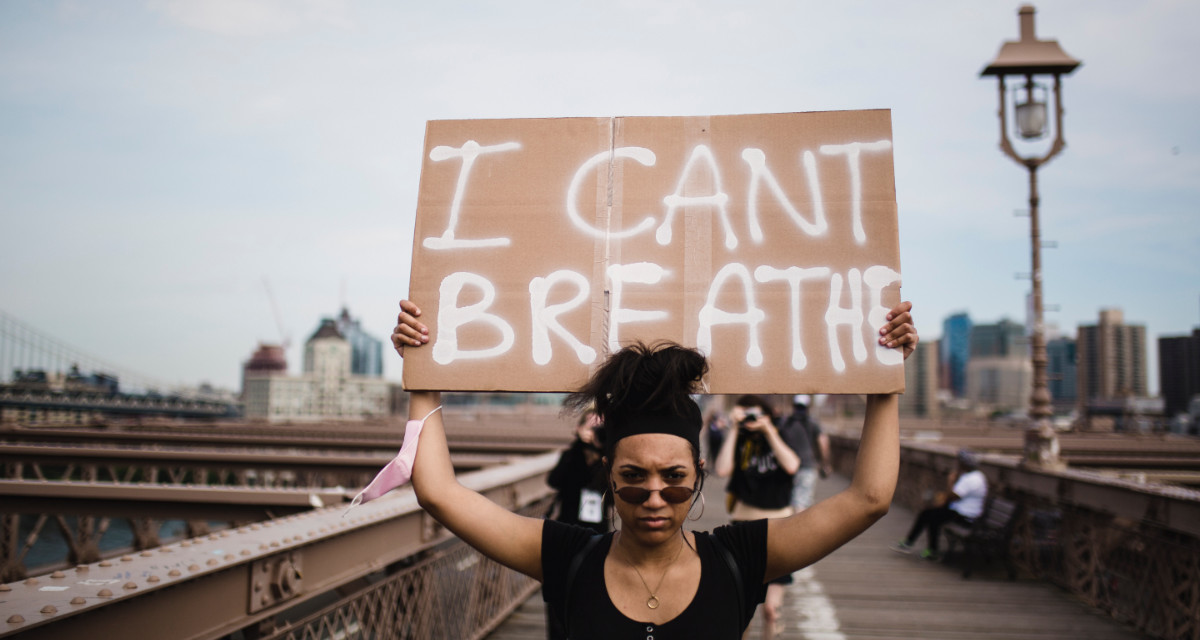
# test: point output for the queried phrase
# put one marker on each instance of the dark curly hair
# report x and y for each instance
(644, 380)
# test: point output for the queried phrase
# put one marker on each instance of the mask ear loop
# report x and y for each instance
(401, 465)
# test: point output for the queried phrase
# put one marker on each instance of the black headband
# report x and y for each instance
(686, 425)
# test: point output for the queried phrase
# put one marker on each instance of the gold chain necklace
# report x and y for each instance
(652, 601)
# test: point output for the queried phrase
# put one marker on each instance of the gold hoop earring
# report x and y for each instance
(702, 505)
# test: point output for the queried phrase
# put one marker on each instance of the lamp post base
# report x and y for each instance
(1041, 446)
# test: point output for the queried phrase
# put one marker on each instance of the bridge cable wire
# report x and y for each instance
(24, 348)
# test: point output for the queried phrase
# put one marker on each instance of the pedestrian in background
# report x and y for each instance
(961, 503)
(578, 480)
(760, 461)
(716, 427)
(812, 446)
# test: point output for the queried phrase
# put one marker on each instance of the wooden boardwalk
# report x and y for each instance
(865, 590)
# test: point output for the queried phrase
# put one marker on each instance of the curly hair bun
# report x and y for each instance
(643, 378)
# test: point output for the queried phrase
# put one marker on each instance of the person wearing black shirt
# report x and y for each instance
(578, 480)
(760, 463)
(653, 578)
(580, 499)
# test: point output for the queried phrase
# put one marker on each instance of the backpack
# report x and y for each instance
(801, 434)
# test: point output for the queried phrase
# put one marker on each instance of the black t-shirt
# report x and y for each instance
(713, 612)
(571, 476)
(757, 478)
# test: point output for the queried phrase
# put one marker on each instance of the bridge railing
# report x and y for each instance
(76, 495)
(1130, 550)
(453, 593)
(385, 569)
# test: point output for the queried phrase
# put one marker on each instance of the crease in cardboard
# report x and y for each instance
(606, 317)
(697, 232)
(602, 246)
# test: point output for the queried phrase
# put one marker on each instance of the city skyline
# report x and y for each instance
(160, 159)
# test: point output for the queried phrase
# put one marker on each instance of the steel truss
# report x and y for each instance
(293, 573)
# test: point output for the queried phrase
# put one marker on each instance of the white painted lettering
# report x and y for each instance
(851, 316)
(677, 199)
(877, 278)
(618, 275)
(759, 172)
(710, 315)
(545, 317)
(451, 317)
(816, 269)
(468, 152)
(793, 276)
(642, 155)
(852, 151)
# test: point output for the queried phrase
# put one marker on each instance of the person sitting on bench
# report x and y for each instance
(963, 503)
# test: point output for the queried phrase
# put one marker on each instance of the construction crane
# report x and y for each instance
(285, 338)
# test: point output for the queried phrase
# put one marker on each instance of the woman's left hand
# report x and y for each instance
(409, 331)
(899, 331)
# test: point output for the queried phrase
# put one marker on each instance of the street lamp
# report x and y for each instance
(1028, 59)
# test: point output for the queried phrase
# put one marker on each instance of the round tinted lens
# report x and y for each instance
(633, 495)
(676, 495)
(638, 495)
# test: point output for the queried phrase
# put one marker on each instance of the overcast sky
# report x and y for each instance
(160, 160)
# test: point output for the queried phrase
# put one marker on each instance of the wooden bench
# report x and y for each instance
(987, 537)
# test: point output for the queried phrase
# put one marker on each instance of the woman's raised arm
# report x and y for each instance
(800, 540)
(506, 537)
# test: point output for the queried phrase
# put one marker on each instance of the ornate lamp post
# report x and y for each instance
(1026, 60)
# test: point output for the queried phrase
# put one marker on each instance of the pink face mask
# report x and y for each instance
(399, 470)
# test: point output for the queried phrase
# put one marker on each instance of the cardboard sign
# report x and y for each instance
(769, 242)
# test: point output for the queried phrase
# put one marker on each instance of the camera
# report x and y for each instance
(752, 414)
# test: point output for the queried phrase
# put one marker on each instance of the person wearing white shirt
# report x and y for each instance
(962, 503)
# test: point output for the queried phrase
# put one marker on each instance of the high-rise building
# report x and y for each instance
(954, 350)
(267, 361)
(920, 396)
(1061, 378)
(1003, 339)
(328, 389)
(268, 358)
(1111, 358)
(366, 351)
(1179, 371)
(1000, 383)
(999, 371)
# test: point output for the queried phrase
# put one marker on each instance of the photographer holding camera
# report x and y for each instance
(760, 463)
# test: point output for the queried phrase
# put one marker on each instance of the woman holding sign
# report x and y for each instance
(651, 578)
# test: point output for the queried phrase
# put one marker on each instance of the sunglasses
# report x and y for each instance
(638, 495)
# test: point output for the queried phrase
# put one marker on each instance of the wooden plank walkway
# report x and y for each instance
(866, 591)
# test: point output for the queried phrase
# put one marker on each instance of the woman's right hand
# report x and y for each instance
(900, 331)
(409, 331)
